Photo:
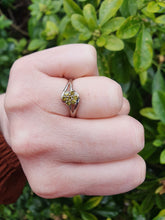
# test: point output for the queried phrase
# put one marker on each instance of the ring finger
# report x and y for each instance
(100, 97)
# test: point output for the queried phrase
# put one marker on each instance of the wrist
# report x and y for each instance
(2, 114)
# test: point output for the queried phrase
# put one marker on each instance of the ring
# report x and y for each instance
(71, 98)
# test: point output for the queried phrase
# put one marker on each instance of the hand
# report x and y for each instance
(93, 154)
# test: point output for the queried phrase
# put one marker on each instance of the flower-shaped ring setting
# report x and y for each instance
(71, 98)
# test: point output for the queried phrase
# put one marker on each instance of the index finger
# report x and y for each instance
(67, 61)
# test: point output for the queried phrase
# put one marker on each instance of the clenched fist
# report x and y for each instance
(94, 153)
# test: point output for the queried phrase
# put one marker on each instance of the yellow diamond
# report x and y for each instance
(64, 98)
(73, 102)
(66, 93)
(70, 98)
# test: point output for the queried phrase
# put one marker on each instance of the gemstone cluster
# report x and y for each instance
(70, 97)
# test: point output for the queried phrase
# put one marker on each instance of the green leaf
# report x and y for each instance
(68, 32)
(56, 5)
(147, 151)
(162, 213)
(148, 14)
(77, 200)
(34, 28)
(160, 201)
(70, 7)
(153, 7)
(113, 25)
(144, 52)
(157, 143)
(4, 58)
(108, 9)
(88, 216)
(3, 44)
(63, 24)
(4, 81)
(84, 36)
(114, 44)
(147, 203)
(129, 50)
(23, 42)
(89, 13)
(21, 45)
(4, 22)
(160, 19)
(135, 94)
(143, 77)
(92, 202)
(108, 212)
(79, 23)
(129, 7)
(140, 3)
(42, 7)
(133, 7)
(129, 28)
(158, 82)
(103, 65)
(161, 128)
(149, 113)
(50, 31)
(158, 102)
(36, 44)
(92, 42)
(162, 4)
(101, 41)
(159, 218)
(162, 157)
(119, 64)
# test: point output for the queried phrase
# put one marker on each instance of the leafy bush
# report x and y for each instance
(129, 36)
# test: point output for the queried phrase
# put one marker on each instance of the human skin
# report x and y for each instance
(92, 154)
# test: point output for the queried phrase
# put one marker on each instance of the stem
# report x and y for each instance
(17, 28)
(14, 26)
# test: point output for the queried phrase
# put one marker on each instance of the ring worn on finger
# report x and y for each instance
(70, 98)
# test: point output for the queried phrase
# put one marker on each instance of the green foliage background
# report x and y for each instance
(129, 36)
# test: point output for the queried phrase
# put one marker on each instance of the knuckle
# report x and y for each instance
(47, 187)
(17, 66)
(139, 136)
(20, 142)
(136, 131)
(17, 99)
(126, 103)
(89, 49)
(119, 96)
(136, 173)
(13, 101)
(125, 109)
(92, 51)
(114, 95)
(119, 92)
(17, 95)
(91, 54)
(140, 171)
